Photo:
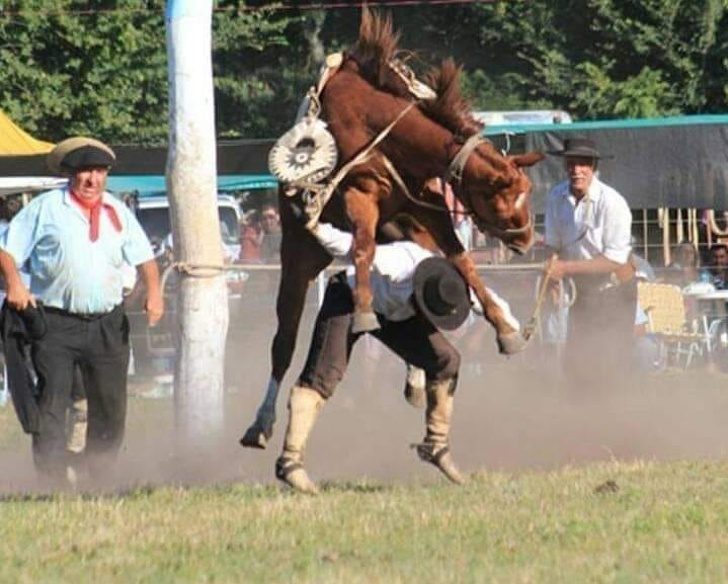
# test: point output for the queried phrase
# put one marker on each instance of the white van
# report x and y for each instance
(153, 214)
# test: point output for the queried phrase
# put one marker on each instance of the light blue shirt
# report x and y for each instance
(50, 239)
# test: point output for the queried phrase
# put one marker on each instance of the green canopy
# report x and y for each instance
(676, 162)
(154, 184)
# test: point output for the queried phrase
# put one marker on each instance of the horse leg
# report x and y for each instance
(510, 341)
(298, 268)
(364, 214)
(439, 226)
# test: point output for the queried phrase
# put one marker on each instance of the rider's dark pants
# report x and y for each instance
(416, 340)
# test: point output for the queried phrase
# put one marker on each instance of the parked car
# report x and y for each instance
(154, 348)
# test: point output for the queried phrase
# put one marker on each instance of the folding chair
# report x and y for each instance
(679, 339)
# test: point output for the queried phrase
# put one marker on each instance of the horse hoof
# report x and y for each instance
(364, 322)
(255, 437)
(511, 343)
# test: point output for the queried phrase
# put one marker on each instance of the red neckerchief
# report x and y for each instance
(94, 211)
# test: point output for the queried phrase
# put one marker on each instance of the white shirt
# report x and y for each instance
(393, 268)
(599, 224)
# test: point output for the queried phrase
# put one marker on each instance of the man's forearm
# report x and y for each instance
(149, 274)
(9, 270)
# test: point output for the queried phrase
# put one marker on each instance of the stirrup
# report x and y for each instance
(441, 459)
(294, 475)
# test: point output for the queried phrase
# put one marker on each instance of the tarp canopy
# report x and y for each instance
(16, 142)
(676, 162)
(146, 185)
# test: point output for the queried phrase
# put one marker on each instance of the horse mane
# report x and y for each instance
(450, 108)
(377, 47)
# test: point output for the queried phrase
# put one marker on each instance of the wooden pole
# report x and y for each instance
(192, 187)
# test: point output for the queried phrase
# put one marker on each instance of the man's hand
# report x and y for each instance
(154, 303)
(154, 307)
(19, 297)
(557, 269)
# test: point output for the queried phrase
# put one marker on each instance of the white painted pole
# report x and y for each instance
(191, 183)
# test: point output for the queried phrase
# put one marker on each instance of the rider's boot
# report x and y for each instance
(435, 448)
(303, 407)
(414, 387)
(76, 441)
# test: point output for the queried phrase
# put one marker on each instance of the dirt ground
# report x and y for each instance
(511, 414)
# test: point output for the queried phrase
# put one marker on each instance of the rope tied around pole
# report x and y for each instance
(200, 270)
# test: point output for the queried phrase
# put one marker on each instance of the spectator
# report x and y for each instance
(461, 221)
(589, 224)
(85, 234)
(684, 269)
(270, 247)
(251, 237)
(718, 266)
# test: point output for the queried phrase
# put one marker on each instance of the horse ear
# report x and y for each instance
(528, 159)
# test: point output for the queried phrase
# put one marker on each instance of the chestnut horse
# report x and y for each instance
(426, 142)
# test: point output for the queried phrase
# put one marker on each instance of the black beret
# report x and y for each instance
(79, 152)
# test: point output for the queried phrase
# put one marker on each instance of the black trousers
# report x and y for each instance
(416, 340)
(599, 349)
(99, 348)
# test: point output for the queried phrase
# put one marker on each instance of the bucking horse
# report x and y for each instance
(398, 140)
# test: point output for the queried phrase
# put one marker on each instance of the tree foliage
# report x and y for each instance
(100, 66)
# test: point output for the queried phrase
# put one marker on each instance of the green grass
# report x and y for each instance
(659, 522)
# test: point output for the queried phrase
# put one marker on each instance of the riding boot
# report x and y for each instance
(303, 407)
(76, 442)
(414, 387)
(435, 449)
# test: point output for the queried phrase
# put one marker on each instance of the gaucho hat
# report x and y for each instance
(441, 293)
(579, 147)
(79, 152)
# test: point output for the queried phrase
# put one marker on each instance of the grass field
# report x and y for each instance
(608, 522)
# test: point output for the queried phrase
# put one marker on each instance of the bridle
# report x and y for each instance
(454, 176)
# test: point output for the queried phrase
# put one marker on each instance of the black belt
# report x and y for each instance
(80, 315)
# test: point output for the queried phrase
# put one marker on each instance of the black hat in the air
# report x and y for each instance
(441, 293)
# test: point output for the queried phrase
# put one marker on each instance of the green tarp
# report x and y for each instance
(674, 162)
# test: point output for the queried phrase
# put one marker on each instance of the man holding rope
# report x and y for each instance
(588, 227)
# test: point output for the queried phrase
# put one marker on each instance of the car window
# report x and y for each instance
(228, 225)
(157, 225)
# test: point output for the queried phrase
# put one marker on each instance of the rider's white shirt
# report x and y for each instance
(599, 224)
(392, 271)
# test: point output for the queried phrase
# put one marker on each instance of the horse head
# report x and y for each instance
(498, 194)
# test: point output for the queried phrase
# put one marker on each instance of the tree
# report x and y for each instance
(615, 58)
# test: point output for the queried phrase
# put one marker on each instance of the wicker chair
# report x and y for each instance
(680, 340)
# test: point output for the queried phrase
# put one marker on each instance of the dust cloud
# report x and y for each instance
(511, 414)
